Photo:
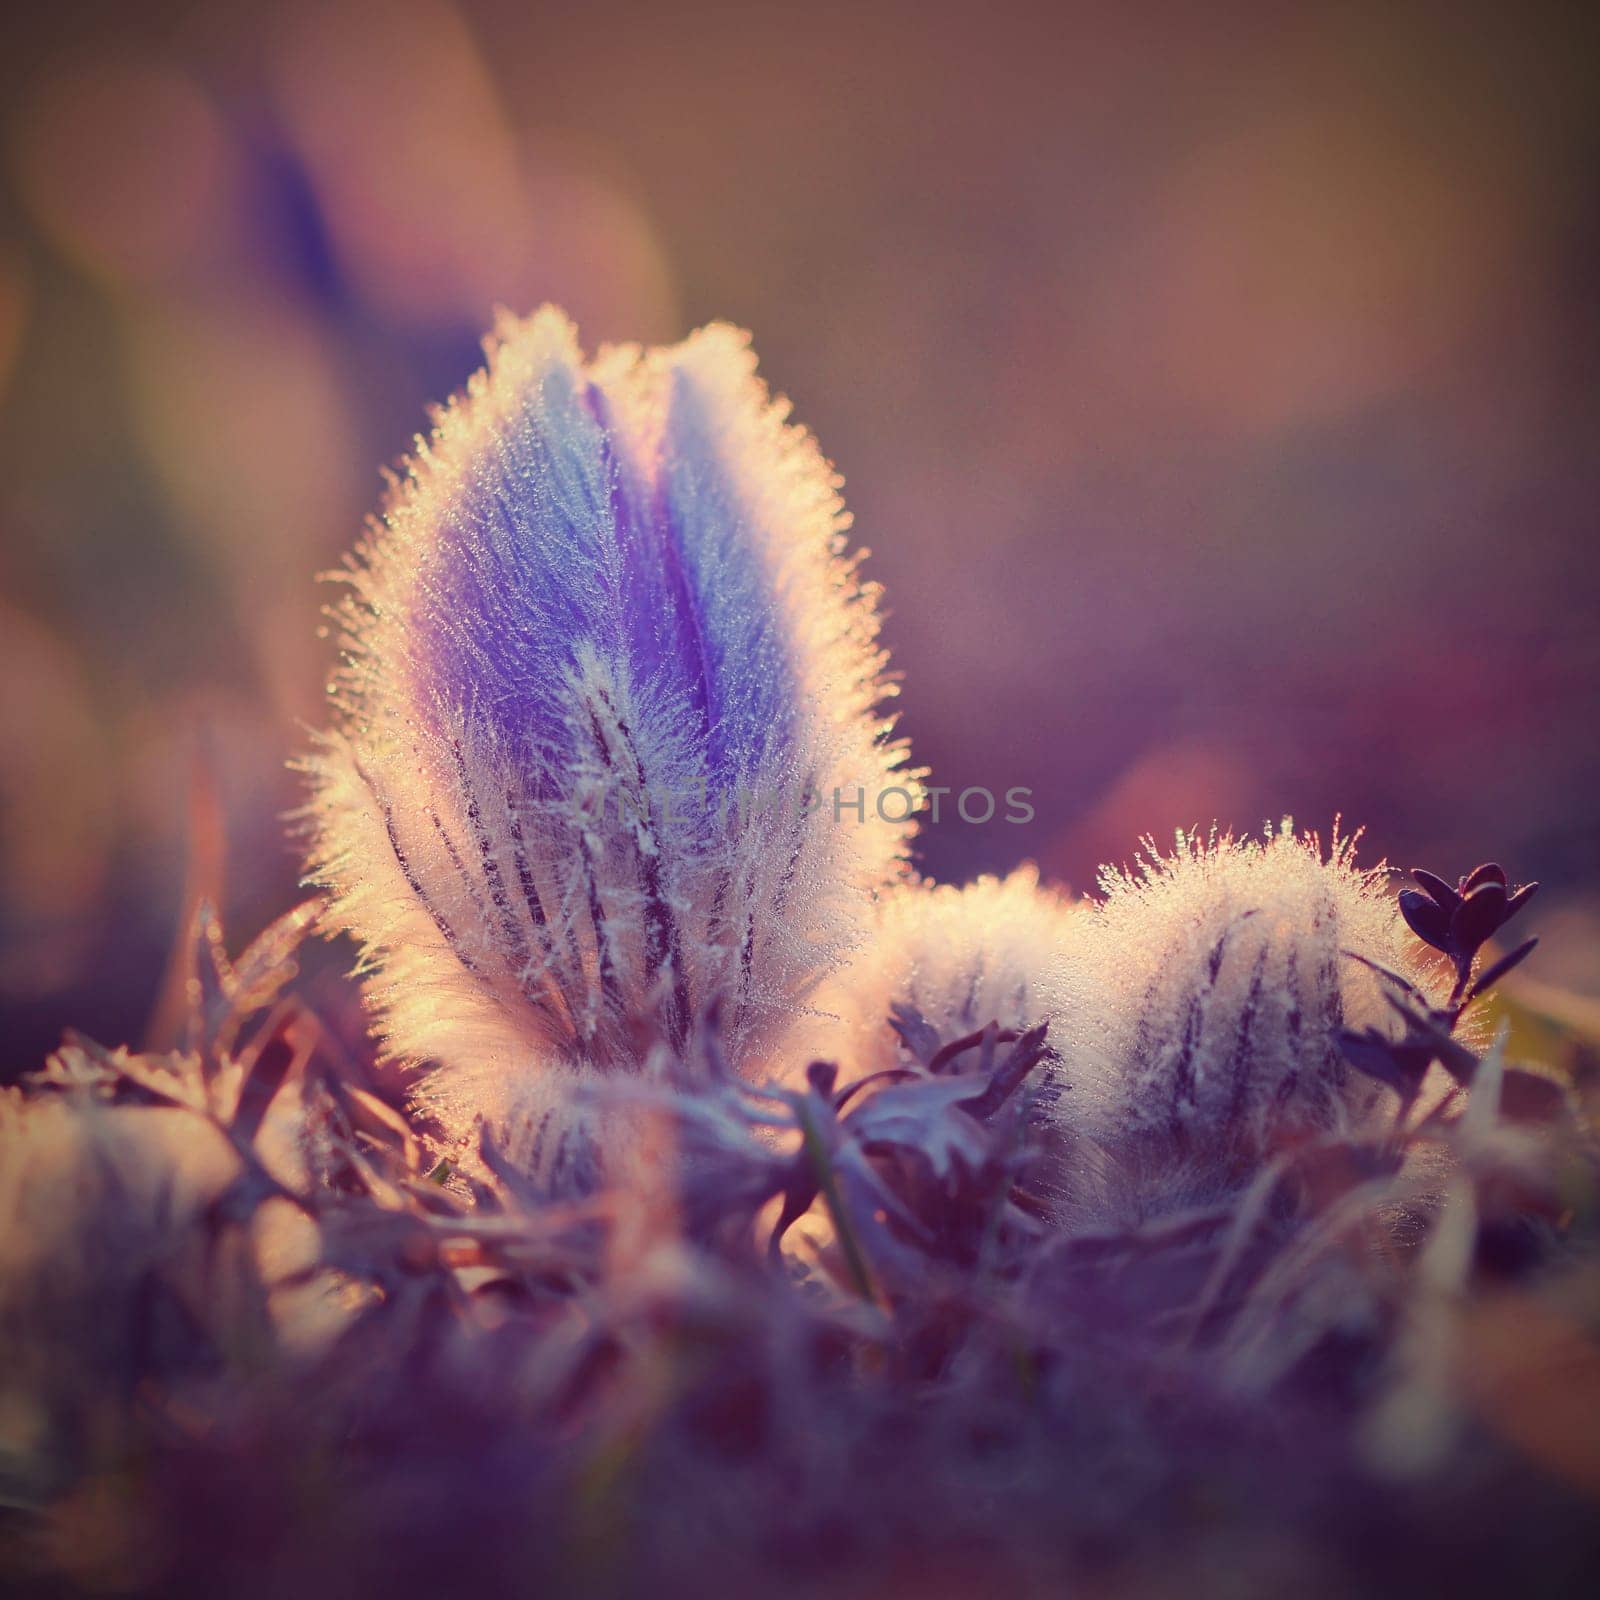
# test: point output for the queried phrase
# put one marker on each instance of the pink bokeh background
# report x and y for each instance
(1215, 388)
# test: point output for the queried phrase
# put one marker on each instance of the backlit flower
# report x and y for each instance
(1206, 999)
(952, 960)
(608, 698)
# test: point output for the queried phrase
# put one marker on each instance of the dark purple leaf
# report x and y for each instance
(1029, 1050)
(1437, 887)
(1430, 1030)
(887, 1075)
(969, 1041)
(1399, 1066)
(1492, 975)
(797, 1198)
(822, 1075)
(1520, 899)
(1489, 872)
(1404, 985)
(1481, 911)
(1429, 921)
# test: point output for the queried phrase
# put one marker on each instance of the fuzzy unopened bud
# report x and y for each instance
(958, 959)
(602, 653)
(1205, 998)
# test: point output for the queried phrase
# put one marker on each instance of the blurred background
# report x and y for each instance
(1215, 387)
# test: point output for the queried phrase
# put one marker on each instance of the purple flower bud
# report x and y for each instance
(606, 664)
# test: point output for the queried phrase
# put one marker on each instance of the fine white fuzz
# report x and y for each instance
(606, 749)
(960, 958)
(1206, 994)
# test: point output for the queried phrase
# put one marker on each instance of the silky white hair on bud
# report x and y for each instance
(1205, 998)
(959, 957)
(606, 664)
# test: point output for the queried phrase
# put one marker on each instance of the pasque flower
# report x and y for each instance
(608, 700)
(950, 960)
(1206, 1002)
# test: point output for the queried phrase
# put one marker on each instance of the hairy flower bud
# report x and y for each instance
(1205, 999)
(605, 664)
(955, 958)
